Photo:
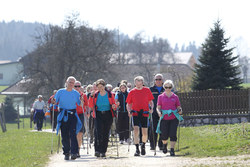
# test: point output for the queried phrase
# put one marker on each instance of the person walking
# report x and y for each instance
(140, 104)
(123, 118)
(53, 108)
(68, 120)
(156, 90)
(102, 104)
(39, 107)
(169, 110)
(91, 89)
(81, 110)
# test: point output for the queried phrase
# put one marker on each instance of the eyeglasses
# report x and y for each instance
(77, 86)
(168, 87)
(158, 79)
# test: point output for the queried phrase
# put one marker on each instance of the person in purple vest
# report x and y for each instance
(169, 110)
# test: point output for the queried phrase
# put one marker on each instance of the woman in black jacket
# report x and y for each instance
(123, 118)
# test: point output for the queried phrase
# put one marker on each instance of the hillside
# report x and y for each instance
(16, 39)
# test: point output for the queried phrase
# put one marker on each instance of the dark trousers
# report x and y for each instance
(39, 119)
(123, 125)
(103, 124)
(169, 129)
(54, 117)
(91, 128)
(68, 130)
(153, 135)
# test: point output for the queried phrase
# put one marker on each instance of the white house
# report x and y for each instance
(10, 72)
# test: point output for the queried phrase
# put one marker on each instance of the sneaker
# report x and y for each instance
(73, 156)
(121, 141)
(152, 148)
(164, 149)
(143, 151)
(128, 141)
(102, 155)
(137, 153)
(172, 152)
(66, 157)
(97, 154)
(78, 155)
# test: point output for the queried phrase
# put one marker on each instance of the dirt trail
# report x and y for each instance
(127, 159)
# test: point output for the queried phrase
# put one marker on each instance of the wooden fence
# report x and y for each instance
(213, 102)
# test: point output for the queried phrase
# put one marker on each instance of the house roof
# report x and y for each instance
(16, 89)
(180, 58)
(4, 61)
(175, 58)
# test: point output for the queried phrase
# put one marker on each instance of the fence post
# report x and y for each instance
(31, 116)
(3, 118)
(18, 117)
(23, 120)
(248, 105)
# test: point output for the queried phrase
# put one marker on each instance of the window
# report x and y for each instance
(1, 75)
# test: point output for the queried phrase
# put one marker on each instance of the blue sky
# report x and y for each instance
(180, 21)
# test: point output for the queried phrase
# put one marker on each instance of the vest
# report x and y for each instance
(122, 97)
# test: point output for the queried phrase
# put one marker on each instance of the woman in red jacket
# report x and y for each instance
(81, 110)
(102, 104)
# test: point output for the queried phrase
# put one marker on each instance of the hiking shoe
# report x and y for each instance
(121, 141)
(143, 151)
(152, 148)
(102, 155)
(66, 157)
(137, 153)
(165, 150)
(97, 154)
(73, 156)
(172, 152)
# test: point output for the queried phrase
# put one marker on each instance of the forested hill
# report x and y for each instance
(16, 38)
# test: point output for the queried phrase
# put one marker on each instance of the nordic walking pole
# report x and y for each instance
(83, 125)
(116, 134)
(152, 129)
(129, 124)
(86, 128)
(179, 133)
(52, 117)
(58, 142)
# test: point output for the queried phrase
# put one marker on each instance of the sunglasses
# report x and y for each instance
(77, 86)
(168, 87)
(158, 79)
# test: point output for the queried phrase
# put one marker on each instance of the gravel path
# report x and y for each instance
(127, 159)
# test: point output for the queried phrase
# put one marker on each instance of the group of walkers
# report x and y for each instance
(153, 112)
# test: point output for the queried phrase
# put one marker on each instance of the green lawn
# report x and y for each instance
(20, 147)
(215, 140)
(245, 85)
(2, 97)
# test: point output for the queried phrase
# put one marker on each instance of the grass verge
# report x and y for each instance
(20, 147)
(215, 140)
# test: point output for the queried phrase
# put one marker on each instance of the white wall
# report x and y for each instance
(11, 73)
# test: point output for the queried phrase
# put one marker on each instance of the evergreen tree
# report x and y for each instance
(9, 111)
(217, 69)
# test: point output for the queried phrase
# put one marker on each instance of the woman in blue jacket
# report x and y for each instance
(67, 119)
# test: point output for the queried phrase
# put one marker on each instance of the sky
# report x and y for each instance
(179, 21)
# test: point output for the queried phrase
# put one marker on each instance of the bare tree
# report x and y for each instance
(73, 49)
